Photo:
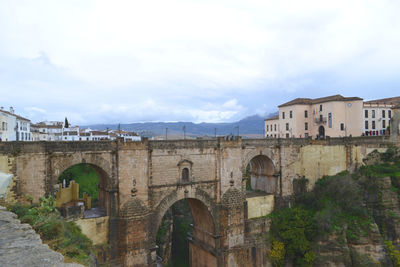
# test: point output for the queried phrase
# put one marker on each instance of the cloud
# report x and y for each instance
(126, 61)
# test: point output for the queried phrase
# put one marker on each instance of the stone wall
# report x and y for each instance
(95, 228)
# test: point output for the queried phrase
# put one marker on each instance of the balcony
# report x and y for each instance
(320, 120)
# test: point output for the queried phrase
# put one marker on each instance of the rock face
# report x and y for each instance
(20, 246)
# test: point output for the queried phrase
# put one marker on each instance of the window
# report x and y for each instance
(306, 135)
(267, 128)
(291, 114)
(283, 115)
(373, 114)
(306, 126)
(389, 114)
(383, 124)
(287, 126)
(305, 114)
(275, 127)
(342, 126)
(383, 113)
(366, 125)
(320, 107)
(287, 135)
(373, 125)
(185, 175)
(366, 113)
(321, 118)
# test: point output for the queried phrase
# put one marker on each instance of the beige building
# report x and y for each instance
(377, 114)
(332, 116)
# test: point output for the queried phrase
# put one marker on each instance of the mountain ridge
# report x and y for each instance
(250, 125)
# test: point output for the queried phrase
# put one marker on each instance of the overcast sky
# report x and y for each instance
(133, 61)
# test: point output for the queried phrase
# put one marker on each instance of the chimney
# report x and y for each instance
(12, 110)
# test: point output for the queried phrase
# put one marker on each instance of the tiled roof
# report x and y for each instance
(389, 101)
(272, 118)
(13, 114)
(309, 101)
(98, 133)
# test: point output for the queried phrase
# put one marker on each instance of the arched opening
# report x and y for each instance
(185, 230)
(321, 132)
(92, 184)
(260, 175)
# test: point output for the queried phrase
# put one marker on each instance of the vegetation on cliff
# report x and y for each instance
(340, 215)
(61, 235)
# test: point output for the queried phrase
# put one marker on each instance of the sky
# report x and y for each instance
(184, 60)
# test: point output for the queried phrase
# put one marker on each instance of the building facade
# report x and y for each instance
(14, 127)
(333, 116)
(377, 115)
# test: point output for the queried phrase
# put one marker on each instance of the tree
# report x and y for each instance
(66, 124)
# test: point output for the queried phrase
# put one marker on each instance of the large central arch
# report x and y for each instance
(202, 245)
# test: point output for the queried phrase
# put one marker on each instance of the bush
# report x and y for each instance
(295, 228)
(394, 254)
(277, 254)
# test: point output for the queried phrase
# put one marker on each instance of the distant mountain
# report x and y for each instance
(249, 126)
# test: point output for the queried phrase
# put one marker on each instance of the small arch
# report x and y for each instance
(185, 170)
(101, 199)
(261, 175)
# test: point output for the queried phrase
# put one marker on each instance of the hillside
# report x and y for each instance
(252, 126)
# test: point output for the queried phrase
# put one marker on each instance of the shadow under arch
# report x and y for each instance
(263, 174)
(202, 243)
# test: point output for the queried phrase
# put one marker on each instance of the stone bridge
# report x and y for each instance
(140, 181)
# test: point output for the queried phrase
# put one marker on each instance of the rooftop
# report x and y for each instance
(310, 101)
(276, 117)
(13, 114)
(390, 100)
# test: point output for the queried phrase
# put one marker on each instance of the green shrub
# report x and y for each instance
(277, 254)
(394, 254)
(295, 228)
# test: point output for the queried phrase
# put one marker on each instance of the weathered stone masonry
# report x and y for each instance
(140, 181)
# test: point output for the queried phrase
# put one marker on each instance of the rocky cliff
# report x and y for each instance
(20, 246)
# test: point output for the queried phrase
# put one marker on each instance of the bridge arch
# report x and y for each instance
(106, 183)
(204, 224)
(262, 172)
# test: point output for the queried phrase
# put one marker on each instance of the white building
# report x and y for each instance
(377, 114)
(14, 127)
(23, 130)
(8, 124)
(47, 131)
(70, 134)
(127, 136)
